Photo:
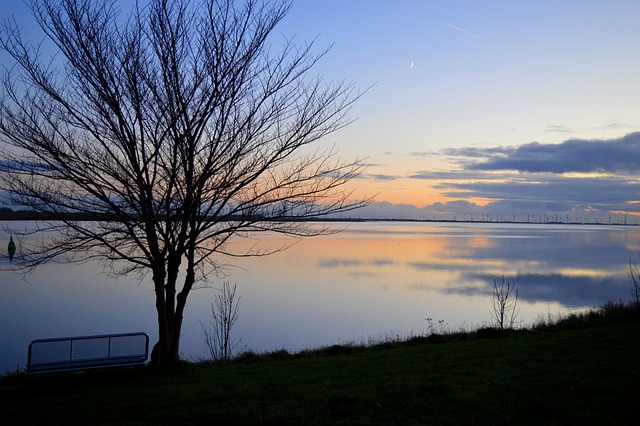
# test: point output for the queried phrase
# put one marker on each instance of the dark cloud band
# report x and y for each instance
(574, 155)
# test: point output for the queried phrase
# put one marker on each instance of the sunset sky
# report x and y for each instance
(496, 108)
(525, 108)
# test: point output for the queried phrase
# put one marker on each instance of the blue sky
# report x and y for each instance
(511, 108)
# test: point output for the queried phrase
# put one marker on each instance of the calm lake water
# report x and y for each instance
(371, 281)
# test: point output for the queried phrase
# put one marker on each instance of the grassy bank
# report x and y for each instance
(581, 370)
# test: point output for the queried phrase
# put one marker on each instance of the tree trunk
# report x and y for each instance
(165, 352)
(170, 309)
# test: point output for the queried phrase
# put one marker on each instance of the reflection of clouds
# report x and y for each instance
(558, 249)
(574, 290)
(350, 263)
(361, 274)
(572, 265)
(427, 266)
(461, 264)
(582, 272)
(571, 268)
(338, 263)
(382, 262)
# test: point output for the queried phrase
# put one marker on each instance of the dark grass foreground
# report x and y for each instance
(581, 370)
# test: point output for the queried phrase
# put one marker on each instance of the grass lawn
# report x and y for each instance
(582, 370)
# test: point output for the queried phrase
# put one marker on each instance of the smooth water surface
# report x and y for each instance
(371, 281)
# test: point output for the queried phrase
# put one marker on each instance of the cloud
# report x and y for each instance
(458, 175)
(422, 153)
(378, 176)
(534, 210)
(556, 128)
(574, 155)
(580, 180)
(387, 210)
(456, 207)
(475, 152)
(617, 125)
(612, 192)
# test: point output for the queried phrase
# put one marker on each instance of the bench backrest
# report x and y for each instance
(85, 352)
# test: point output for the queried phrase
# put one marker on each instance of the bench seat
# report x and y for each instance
(87, 352)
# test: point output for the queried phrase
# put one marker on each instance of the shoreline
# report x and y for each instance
(15, 216)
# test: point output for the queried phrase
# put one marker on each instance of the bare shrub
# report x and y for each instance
(504, 303)
(224, 314)
(634, 275)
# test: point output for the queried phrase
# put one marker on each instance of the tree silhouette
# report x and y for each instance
(150, 140)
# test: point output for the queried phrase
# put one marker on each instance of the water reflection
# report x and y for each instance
(569, 291)
(573, 266)
(370, 279)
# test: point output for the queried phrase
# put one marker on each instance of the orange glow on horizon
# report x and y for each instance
(637, 214)
(418, 195)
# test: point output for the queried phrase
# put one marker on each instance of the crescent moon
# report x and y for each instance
(411, 66)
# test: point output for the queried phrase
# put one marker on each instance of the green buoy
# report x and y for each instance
(11, 248)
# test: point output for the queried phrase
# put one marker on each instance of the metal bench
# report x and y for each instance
(87, 352)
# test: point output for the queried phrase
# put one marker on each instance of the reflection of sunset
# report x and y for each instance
(583, 272)
(479, 242)
(397, 248)
(371, 278)
(419, 256)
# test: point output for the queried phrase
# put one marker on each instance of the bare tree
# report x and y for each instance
(150, 140)
(224, 314)
(504, 303)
